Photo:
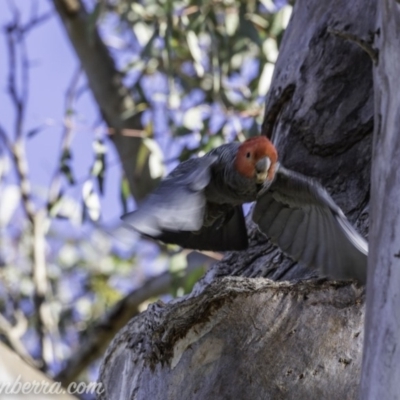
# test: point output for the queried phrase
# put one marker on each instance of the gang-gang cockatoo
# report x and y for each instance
(199, 206)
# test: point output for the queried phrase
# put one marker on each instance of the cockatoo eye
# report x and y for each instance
(248, 154)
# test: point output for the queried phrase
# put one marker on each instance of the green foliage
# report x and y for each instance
(224, 48)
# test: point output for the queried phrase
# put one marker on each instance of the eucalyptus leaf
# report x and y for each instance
(124, 194)
(195, 51)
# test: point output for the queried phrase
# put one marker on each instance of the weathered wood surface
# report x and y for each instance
(243, 338)
(381, 368)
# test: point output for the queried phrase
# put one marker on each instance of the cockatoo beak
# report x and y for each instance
(271, 174)
(262, 168)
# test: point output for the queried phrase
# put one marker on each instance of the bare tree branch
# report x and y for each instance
(55, 185)
(4, 138)
(16, 44)
(13, 338)
(12, 70)
(13, 33)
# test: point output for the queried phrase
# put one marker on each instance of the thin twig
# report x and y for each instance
(24, 78)
(70, 96)
(33, 23)
(4, 138)
(12, 70)
(17, 148)
(139, 133)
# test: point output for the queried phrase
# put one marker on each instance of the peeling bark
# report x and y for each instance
(231, 338)
(381, 364)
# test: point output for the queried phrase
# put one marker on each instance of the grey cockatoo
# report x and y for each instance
(199, 206)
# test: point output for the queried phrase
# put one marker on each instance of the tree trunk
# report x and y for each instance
(251, 338)
(381, 364)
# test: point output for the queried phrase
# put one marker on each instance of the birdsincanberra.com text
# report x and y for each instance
(19, 386)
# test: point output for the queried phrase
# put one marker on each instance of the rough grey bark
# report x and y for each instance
(324, 130)
(381, 364)
(243, 338)
(112, 97)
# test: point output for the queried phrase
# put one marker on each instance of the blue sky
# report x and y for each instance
(53, 65)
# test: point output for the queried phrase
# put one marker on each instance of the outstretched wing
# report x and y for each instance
(228, 235)
(174, 212)
(178, 203)
(299, 215)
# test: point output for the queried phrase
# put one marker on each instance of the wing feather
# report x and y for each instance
(271, 211)
(312, 235)
(178, 203)
(299, 237)
(280, 222)
(317, 232)
(297, 225)
(228, 236)
(321, 259)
